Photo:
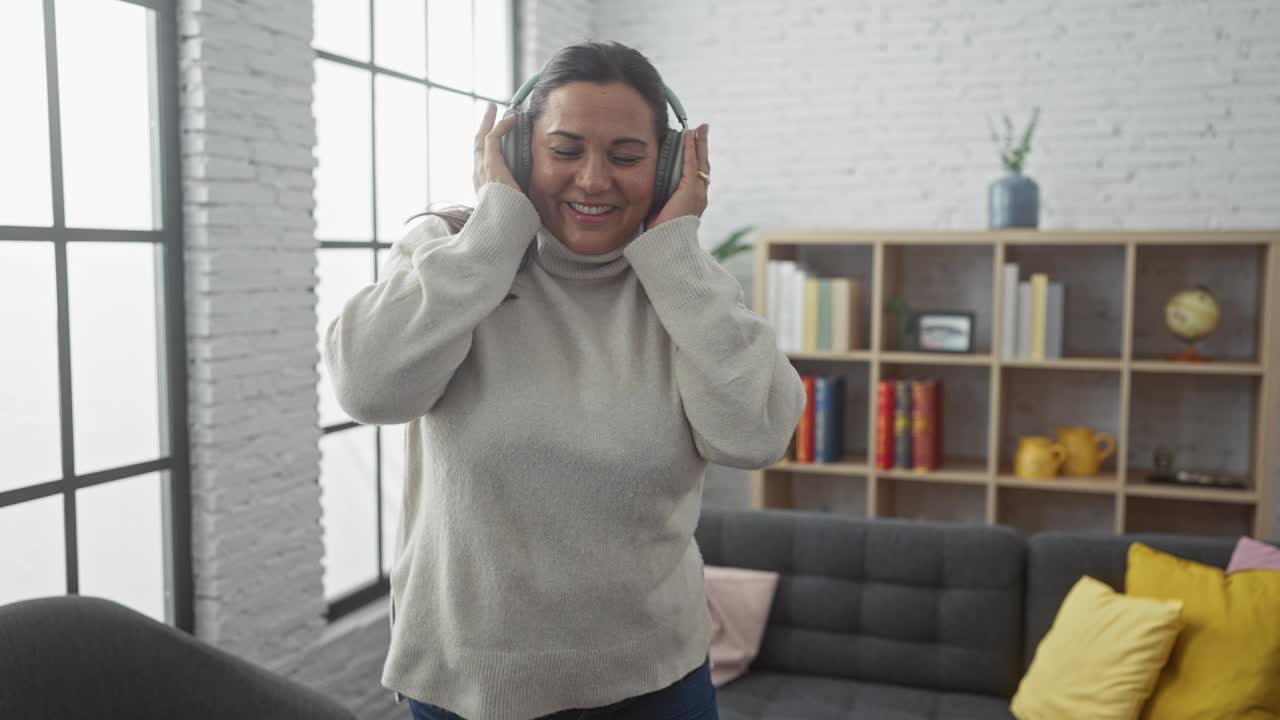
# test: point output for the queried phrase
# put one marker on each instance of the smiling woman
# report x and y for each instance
(594, 164)
(568, 359)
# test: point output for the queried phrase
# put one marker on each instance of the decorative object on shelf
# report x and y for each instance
(901, 312)
(1164, 472)
(1191, 315)
(1162, 460)
(1038, 458)
(1013, 201)
(948, 332)
(732, 245)
(1086, 450)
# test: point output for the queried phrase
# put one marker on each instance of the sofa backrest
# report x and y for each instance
(929, 605)
(1057, 559)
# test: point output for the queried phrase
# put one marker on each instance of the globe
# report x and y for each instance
(1191, 314)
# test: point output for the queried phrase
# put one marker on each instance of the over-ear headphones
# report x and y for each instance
(517, 146)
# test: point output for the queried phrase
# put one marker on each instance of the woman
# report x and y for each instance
(567, 361)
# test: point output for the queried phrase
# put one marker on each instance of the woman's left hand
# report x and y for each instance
(690, 197)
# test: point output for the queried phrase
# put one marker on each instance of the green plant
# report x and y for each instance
(1014, 157)
(732, 245)
(901, 312)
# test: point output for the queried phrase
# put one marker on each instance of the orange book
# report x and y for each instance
(924, 425)
(884, 424)
(804, 431)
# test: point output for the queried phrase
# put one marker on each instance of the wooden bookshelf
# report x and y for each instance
(1117, 371)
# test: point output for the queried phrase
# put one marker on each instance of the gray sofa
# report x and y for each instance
(83, 658)
(903, 620)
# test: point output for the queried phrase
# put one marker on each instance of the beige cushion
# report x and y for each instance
(739, 600)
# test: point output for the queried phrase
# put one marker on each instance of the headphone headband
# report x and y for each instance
(672, 100)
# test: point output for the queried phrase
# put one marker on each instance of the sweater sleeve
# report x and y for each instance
(394, 346)
(741, 395)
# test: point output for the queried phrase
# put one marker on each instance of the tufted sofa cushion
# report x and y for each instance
(935, 606)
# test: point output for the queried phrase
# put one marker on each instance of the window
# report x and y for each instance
(400, 88)
(94, 485)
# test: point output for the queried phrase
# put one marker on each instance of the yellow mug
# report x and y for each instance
(1038, 458)
(1086, 450)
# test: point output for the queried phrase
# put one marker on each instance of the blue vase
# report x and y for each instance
(1013, 201)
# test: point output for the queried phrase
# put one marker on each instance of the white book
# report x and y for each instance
(773, 278)
(796, 305)
(1024, 320)
(784, 312)
(1055, 302)
(1009, 312)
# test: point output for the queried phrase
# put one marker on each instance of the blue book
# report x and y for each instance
(828, 418)
(821, 409)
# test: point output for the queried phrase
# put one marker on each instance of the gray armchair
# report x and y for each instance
(74, 657)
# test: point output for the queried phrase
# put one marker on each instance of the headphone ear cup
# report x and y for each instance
(517, 149)
(670, 165)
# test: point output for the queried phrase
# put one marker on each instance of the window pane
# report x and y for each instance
(25, 195)
(449, 43)
(347, 495)
(402, 154)
(342, 27)
(344, 147)
(451, 132)
(114, 374)
(392, 439)
(341, 272)
(108, 115)
(120, 541)
(493, 49)
(34, 561)
(29, 443)
(400, 36)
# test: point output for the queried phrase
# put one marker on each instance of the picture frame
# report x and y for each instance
(943, 331)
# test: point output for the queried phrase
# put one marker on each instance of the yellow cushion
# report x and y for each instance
(1226, 663)
(1101, 657)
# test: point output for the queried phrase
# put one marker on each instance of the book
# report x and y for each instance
(1053, 319)
(828, 444)
(884, 424)
(926, 445)
(821, 410)
(1024, 320)
(804, 431)
(810, 314)
(824, 314)
(773, 301)
(902, 454)
(846, 314)
(1009, 312)
(1039, 296)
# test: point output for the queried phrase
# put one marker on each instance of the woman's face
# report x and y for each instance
(594, 158)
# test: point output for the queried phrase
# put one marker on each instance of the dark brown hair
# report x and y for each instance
(595, 62)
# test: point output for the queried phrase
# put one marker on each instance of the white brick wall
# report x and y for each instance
(549, 25)
(871, 114)
(247, 144)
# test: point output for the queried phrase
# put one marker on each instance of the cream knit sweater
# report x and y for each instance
(555, 451)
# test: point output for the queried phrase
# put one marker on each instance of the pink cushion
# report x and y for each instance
(1251, 554)
(739, 600)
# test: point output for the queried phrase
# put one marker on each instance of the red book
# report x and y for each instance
(884, 424)
(924, 425)
(804, 431)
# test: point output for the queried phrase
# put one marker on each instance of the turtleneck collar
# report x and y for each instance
(559, 260)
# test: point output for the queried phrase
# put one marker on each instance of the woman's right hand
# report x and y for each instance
(489, 164)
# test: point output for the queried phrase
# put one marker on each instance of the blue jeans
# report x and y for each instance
(692, 697)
